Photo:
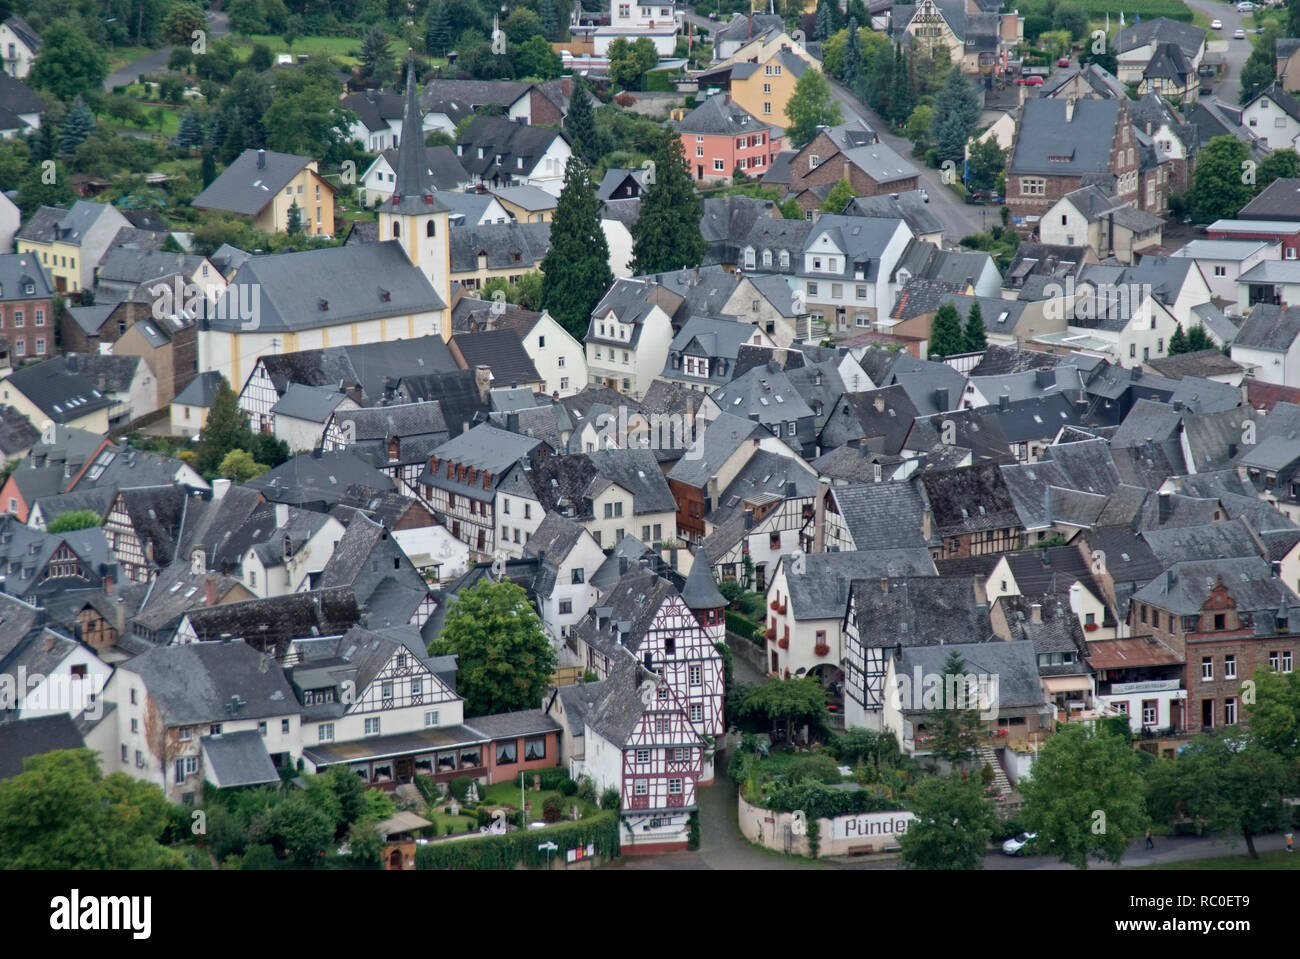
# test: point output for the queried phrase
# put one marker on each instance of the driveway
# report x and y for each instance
(218, 26)
(1238, 50)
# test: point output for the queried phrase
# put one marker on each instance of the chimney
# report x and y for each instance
(880, 404)
(483, 380)
(622, 565)
(941, 398)
(749, 520)
(1036, 612)
(109, 572)
(220, 487)
(927, 519)
(261, 159)
(1069, 109)
(1148, 128)
(884, 585)
(210, 590)
(819, 517)
(1004, 402)
(281, 514)
(981, 594)
(1166, 507)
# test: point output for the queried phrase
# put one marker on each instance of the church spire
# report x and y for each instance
(413, 188)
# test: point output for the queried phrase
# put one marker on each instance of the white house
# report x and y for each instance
(570, 556)
(10, 219)
(48, 672)
(1268, 344)
(628, 337)
(19, 44)
(560, 359)
(846, 265)
(634, 19)
(1274, 117)
(1222, 262)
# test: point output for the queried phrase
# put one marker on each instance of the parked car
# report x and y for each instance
(1019, 845)
(1031, 81)
(1239, 34)
(1206, 70)
(1216, 24)
(1245, 6)
(1207, 91)
(1063, 62)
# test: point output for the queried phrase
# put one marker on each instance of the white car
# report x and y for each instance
(1216, 24)
(1239, 35)
(1245, 6)
(1016, 844)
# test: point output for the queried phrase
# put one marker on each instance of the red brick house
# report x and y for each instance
(26, 307)
(852, 153)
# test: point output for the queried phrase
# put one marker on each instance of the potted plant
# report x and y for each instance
(821, 649)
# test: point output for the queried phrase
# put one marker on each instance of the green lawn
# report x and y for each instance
(342, 49)
(507, 794)
(1267, 860)
(119, 57)
(171, 120)
(459, 824)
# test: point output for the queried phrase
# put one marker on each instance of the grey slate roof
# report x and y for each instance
(51, 223)
(375, 367)
(821, 591)
(501, 243)
(24, 738)
(907, 205)
(1190, 39)
(246, 188)
(522, 722)
(502, 351)
(17, 272)
(274, 621)
(1083, 143)
(311, 403)
(200, 391)
(1269, 327)
(882, 515)
(919, 611)
(1248, 581)
(719, 440)
(719, 116)
(238, 759)
(504, 144)
(1013, 663)
(196, 683)
(312, 479)
(58, 391)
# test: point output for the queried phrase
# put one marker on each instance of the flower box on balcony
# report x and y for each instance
(784, 643)
(770, 632)
(774, 606)
(821, 649)
(1090, 627)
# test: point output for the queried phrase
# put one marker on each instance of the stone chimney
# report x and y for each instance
(819, 514)
(210, 590)
(927, 519)
(281, 514)
(1069, 109)
(1036, 612)
(880, 403)
(483, 380)
(884, 585)
(220, 487)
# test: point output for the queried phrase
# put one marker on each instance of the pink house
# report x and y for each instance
(719, 136)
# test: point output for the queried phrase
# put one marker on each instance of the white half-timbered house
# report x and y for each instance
(396, 440)
(142, 526)
(645, 615)
(639, 740)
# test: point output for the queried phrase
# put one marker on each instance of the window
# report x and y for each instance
(1272, 660)
(812, 289)
(534, 749)
(661, 724)
(372, 726)
(214, 730)
(1132, 351)
(135, 725)
(718, 165)
(430, 718)
(1031, 187)
(699, 151)
(133, 699)
(697, 712)
(674, 787)
(386, 690)
(325, 733)
(185, 734)
(566, 607)
(1150, 711)
(40, 317)
(507, 754)
(261, 728)
(1220, 621)
(1220, 271)
(695, 675)
(643, 755)
(1229, 667)
(1207, 669)
(662, 693)
(641, 787)
(1286, 661)
(791, 428)
(1230, 711)
(126, 757)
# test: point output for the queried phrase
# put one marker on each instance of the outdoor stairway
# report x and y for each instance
(986, 754)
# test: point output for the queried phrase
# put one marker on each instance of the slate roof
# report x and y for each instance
(456, 392)
(1202, 363)
(200, 391)
(22, 739)
(503, 138)
(763, 393)
(51, 223)
(522, 722)
(919, 611)
(318, 479)
(821, 590)
(970, 499)
(502, 351)
(882, 515)
(17, 434)
(1248, 580)
(17, 271)
(1280, 200)
(245, 187)
(57, 391)
(638, 472)
(720, 116)
(616, 177)
(1215, 541)
(616, 714)
(501, 243)
(1190, 39)
(713, 447)
(1168, 62)
(1013, 663)
(274, 621)
(348, 284)
(908, 205)
(311, 403)
(578, 700)
(386, 585)
(1083, 142)
(196, 683)
(443, 167)
(238, 759)
(1269, 327)
(765, 474)
(375, 367)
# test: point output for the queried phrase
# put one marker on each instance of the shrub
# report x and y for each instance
(460, 788)
(624, 100)
(552, 811)
(693, 830)
(552, 778)
(818, 768)
(450, 829)
(610, 799)
(568, 787)
(587, 789)
(505, 852)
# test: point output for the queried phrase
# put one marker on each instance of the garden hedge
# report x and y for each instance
(508, 850)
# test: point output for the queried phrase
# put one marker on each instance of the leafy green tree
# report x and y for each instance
(76, 126)
(810, 106)
(624, 65)
(505, 658)
(1278, 164)
(73, 520)
(238, 465)
(69, 63)
(975, 334)
(307, 122)
(852, 56)
(1085, 795)
(536, 59)
(550, 20)
(956, 111)
(833, 48)
(1218, 189)
(918, 128)
(190, 134)
(60, 812)
(955, 730)
(293, 223)
(300, 831)
(840, 196)
(1226, 781)
(226, 430)
(666, 234)
(987, 161)
(181, 22)
(37, 189)
(580, 124)
(1260, 67)
(1178, 341)
(437, 31)
(946, 336)
(521, 24)
(827, 19)
(260, 58)
(789, 208)
(576, 268)
(1274, 717)
(377, 64)
(366, 845)
(787, 702)
(1070, 18)
(952, 827)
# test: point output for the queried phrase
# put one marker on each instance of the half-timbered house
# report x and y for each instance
(396, 440)
(142, 527)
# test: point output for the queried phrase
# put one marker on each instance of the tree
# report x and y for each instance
(76, 126)
(37, 189)
(976, 337)
(300, 831)
(190, 134)
(1274, 717)
(1178, 341)
(1070, 18)
(536, 59)
(1218, 189)
(307, 122)
(576, 268)
(226, 430)
(666, 234)
(1085, 795)
(624, 65)
(69, 64)
(827, 19)
(376, 59)
(787, 702)
(956, 111)
(918, 128)
(550, 20)
(60, 812)
(987, 161)
(840, 196)
(207, 168)
(954, 728)
(260, 58)
(521, 24)
(505, 658)
(293, 223)
(789, 208)
(1278, 164)
(580, 124)
(238, 465)
(181, 22)
(810, 106)
(437, 31)
(1259, 69)
(952, 827)
(366, 845)
(946, 336)
(852, 56)
(73, 520)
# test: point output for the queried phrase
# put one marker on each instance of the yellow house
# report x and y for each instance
(527, 204)
(189, 409)
(265, 186)
(761, 77)
(54, 392)
(70, 243)
(507, 250)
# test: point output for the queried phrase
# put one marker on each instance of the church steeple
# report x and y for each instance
(413, 189)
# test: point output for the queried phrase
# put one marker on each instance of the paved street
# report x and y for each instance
(1238, 50)
(218, 25)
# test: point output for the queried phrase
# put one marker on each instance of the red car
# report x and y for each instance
(1031, 81)
(1063, 62)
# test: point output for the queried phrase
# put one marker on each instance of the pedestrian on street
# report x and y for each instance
(1290, 842)
(1150, 844)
